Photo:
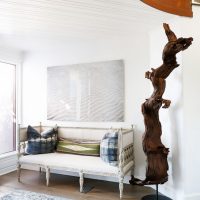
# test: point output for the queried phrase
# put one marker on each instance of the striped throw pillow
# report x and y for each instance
(109, 148)
(81, 147)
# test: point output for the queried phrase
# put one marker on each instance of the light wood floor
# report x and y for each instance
(68, 186)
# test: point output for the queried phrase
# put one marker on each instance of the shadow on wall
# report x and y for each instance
(140, 158)
(176, 131)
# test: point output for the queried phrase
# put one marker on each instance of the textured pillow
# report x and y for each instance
(81, 147)
(109, 148)
(41, 143)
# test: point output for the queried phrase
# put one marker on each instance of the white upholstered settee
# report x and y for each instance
(77, 163)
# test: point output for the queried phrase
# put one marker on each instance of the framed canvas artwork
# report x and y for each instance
(91, 92)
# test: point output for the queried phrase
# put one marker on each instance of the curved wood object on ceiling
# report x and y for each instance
(177, 7)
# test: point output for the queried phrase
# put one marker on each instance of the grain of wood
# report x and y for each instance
(68, 186)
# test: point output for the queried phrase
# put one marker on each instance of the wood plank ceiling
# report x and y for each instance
(67, 16)
(28, 24)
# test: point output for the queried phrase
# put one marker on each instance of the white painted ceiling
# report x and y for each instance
(24, 21)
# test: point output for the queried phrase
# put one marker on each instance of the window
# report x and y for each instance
(7, 107)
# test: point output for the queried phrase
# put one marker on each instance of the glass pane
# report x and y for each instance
(7, 108)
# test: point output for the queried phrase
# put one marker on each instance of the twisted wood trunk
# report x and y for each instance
(156, 152)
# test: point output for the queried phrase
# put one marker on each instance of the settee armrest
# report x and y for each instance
(126, 149)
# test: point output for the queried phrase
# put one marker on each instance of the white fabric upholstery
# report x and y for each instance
(84, 133)
(87, 164)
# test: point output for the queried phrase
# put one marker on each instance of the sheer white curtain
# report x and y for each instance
(7, 107)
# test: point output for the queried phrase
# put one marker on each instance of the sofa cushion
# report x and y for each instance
(109, 148)
(63, 161)
(71, 162)
(81, 147)
(39, 143)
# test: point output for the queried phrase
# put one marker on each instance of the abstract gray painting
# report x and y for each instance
(92, 92)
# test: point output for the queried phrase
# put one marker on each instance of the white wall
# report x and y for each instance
(191, 95)
(10, 55)
(133, 51)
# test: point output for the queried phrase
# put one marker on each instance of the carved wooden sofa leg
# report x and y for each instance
(47, 175)
(81, 181)
(18, 171)
(121, 186)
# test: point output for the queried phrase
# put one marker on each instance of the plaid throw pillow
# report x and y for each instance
(109, 148)
(39, 143)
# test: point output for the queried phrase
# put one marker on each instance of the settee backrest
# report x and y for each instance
(22, 131)
(69, 132)
(83, 133)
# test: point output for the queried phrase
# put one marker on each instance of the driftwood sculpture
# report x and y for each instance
(156, 152)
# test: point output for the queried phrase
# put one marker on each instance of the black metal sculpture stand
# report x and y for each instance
(155, 196)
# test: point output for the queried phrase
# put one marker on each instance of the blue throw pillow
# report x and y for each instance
(41, 143)
(109, 148)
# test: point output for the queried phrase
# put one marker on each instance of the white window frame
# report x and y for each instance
(18, 99)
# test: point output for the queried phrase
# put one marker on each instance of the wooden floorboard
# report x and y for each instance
(68, 186)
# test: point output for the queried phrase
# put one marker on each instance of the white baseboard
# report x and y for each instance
(164, 189)
(8, 170)
(176, 194)
(8, 164)
(192, 196)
